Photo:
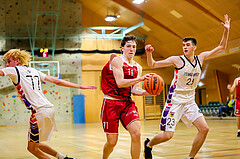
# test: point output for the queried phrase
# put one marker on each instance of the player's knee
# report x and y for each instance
(168, 136)
(204, 130)
(112, 143)
(32, 148)
(136, 135)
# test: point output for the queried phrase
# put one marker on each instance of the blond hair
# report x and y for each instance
(23, 56)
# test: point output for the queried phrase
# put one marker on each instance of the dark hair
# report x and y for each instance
(193, 40)
(127, 38)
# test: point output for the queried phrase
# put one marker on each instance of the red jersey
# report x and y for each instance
(109, 85)
(237, 107)
(238, 89)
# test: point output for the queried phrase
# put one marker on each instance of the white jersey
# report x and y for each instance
(27, 81)
(185, 81)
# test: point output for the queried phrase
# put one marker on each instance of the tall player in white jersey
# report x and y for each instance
(28, 85)
(180, 103)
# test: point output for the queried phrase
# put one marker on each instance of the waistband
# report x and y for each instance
(111, 98)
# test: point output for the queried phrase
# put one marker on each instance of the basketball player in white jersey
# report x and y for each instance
(236, 84)
(180, 103)
(28, 85)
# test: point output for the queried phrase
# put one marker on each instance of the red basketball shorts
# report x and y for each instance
(115, 110)
(237, 107)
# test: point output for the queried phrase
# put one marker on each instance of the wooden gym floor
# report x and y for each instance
(85, 141)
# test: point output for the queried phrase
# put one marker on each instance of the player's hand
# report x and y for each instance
(229, 86)
(147, 75)
(149, 48)
(226, 24)
(88, 87)
(145, 93)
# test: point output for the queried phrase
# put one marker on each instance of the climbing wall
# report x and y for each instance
(2, 27)
(25, 17)
(18, 21)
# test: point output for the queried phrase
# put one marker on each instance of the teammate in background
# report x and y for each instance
(28, 85)
(236, 84)
(120, 78)
(180, 103)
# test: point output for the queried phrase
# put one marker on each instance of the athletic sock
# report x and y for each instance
(60, 156)
(238, 130)
(190, 158)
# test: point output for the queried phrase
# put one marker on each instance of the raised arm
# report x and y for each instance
(232, 88)
(223, 44)
(117, 65)
(170, 61)
(64, 83)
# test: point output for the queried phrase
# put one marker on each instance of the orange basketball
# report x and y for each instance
(154, 84)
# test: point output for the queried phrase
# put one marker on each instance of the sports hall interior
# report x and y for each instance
(75, 33)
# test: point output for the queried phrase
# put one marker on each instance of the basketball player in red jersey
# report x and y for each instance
(120, 79)
(236, 84)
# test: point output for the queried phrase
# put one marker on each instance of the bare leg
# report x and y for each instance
(203, 129)
(167, 135)
(134, 130)
(109, 145)
(238, 122)
(47, 149)
(35, 150)
(238, 126)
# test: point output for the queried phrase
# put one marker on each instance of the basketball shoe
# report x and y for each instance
(147, 150)
(238, 135)
(69, 158)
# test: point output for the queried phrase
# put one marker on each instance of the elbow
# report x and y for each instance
(120, 86)
(222, 48)
(57, 82)
(151, 65)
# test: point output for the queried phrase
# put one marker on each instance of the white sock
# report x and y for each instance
(238, 130)
(190, 158)
(60, 156)
(148, 145)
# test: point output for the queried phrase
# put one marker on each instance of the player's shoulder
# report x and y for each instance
(175, 57)
(116, 61)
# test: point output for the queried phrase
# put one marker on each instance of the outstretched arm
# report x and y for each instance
(232, 88)
(64, 83)
(223, 44)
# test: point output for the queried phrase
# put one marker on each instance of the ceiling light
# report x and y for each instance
(176, 14)
(138, 1)
(146, 28)
(236, 66)
(111, 18)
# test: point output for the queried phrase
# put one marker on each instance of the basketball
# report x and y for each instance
(154, 84)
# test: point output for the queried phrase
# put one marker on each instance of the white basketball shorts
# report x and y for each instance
(172, 113)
